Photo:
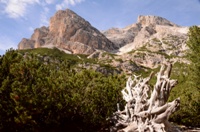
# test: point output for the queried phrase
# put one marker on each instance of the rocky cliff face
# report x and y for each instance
(70, 32)
(149, 42)
(154, 20)
(144, 32)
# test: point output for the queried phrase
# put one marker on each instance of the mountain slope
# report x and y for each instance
(156, 33)
(150, 41)
(68, 31)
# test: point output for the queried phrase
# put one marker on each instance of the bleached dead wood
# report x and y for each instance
(143, 113)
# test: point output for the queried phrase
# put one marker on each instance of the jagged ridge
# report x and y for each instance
(148, 42)
(70, 32)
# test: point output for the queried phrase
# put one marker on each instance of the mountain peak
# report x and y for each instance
(66, 13)
(71, 32)
(64, 18)
(154, 20)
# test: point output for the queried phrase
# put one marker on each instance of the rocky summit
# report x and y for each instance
(148, 31)
(148, 42)
(69, 32)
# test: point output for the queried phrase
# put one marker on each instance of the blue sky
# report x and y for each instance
(18, 18)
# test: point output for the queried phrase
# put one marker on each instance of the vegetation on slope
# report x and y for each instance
(35, 95)
(194, 73)
(42, 89)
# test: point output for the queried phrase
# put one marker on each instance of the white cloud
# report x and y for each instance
(67, 3)
(43, 17)
(17, 8)
(6, 43)
(49, 1)
(31, 29)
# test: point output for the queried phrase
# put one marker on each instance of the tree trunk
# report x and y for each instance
(143, 113)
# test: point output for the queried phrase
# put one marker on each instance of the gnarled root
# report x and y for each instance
(143, 113)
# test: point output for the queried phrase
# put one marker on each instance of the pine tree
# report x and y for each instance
(194, 55)
(194, 72)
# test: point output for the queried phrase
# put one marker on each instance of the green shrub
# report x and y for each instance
(36, 95)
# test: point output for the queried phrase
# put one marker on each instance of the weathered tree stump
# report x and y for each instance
(143, 113)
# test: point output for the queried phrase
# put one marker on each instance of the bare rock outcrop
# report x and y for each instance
(69, 31)
(154, 20)
(146, 29)
(26, 44)
(150, 41)
(39, 36)
(37, 39)
(122, 37)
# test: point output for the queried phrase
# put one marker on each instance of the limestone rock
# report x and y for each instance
(26, 44)
(154, 20)
(146, 29)
(69, 31)
(150, 41)
(124, 36)
(39, 36)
